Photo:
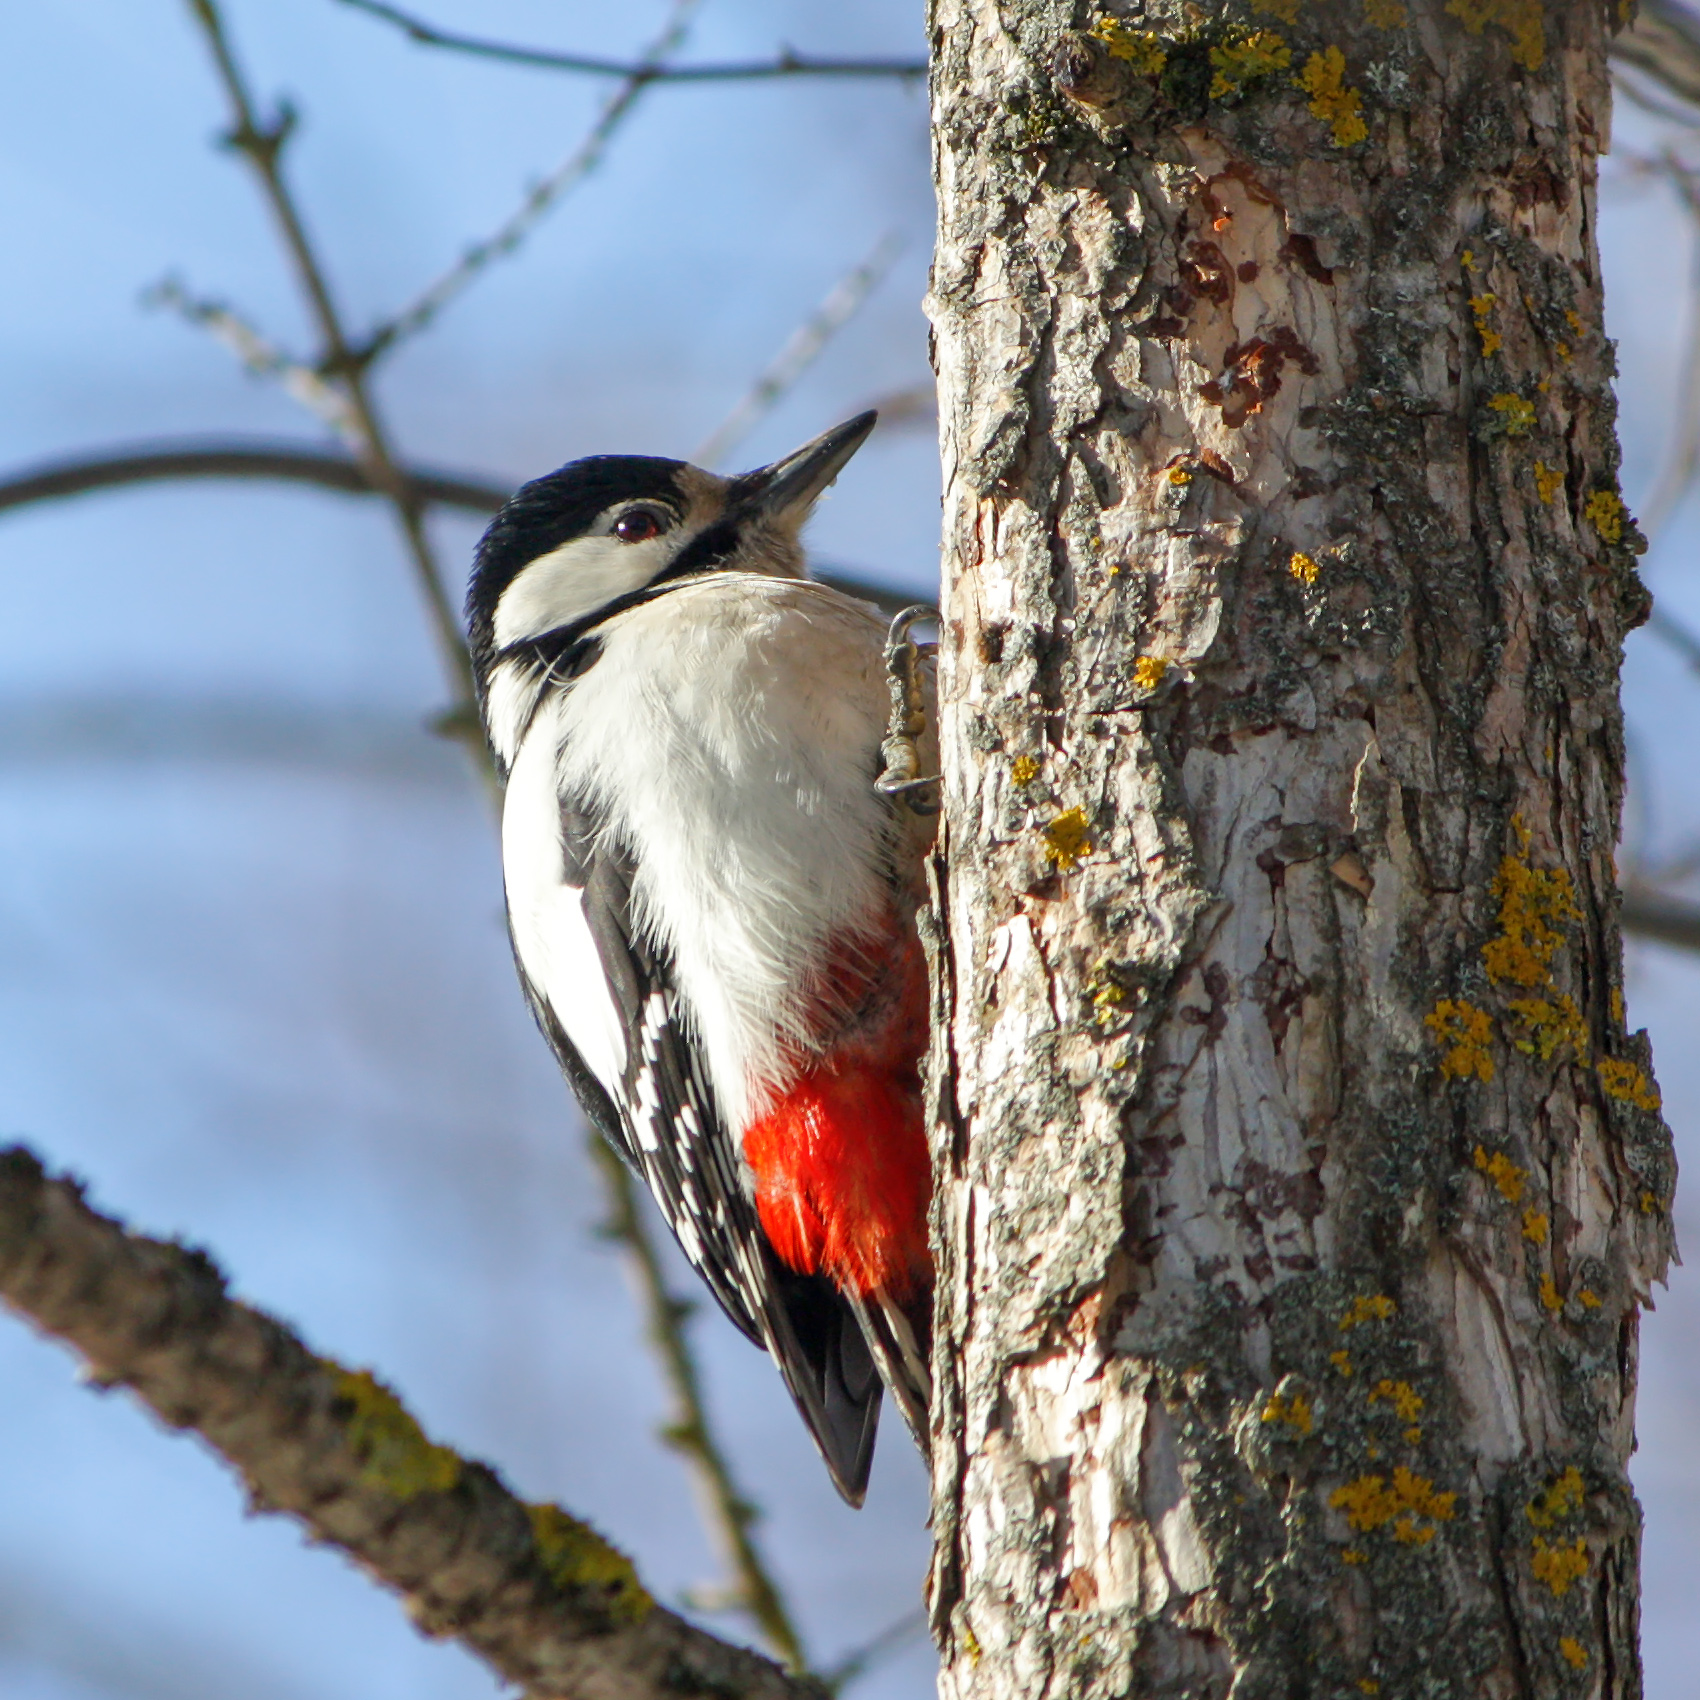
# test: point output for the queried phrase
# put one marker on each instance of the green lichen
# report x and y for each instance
(580, 1561)
(395, 1457)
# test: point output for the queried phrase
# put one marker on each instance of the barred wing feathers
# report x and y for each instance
(605, 999)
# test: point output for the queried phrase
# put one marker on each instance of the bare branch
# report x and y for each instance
(860, 1660)
(340, 363)
(1663, 49)
(1668, 920)
(262, 145)
(727, 1512)
(571, 171)
(224, 457)
(261, 357)
(786, 64)
(801, 350)
(233, 458)
(539, 1596)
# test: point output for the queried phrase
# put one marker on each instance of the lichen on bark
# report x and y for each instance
(1286, 582)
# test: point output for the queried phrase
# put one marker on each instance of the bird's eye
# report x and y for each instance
(639, 525)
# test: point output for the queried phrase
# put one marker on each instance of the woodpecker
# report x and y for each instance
(711, 905)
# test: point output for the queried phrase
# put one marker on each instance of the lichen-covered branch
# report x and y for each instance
(542, 1598)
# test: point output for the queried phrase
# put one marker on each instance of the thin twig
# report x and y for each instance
(726, 1511)
(540, 198)
(262, 144)
(329, 401)
(786, 64)
(536, 1594)
(860, 1660)
(801, 350)
(341, 364)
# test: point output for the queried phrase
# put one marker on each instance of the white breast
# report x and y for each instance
(729, 734)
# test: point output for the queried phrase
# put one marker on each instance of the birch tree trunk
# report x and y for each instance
(1299, 1182)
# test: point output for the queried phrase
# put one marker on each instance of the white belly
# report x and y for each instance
(730, 735)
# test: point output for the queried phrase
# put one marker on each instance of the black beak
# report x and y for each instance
(787, 490)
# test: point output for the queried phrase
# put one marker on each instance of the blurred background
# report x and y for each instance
(254, 981)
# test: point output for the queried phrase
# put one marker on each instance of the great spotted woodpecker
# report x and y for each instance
(713, 908)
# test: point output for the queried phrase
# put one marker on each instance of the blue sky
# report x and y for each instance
(253, 978)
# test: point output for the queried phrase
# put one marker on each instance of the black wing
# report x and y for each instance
(661, 1117)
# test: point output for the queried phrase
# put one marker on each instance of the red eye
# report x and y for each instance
(638, 526)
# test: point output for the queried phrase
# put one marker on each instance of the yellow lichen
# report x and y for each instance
(1604, 508)
(395, 1457)
(1179, 475)
(1406, 1401)
(1548, 481)
(1532, 905)
(1286, 10)
(1559, 1566)
(1517, 411)
(1352, 1555)
(577, 1558)
(1562, 350)
(1574, 320)
(1149, 672)
(1372, 1307)
(1535, 1226)
(1561, 1498)
(1242, 60)
(1504, 1174)
(1573, 1652)
(1369, 1685)
(1590, 1299)
(1617, 1009)
(1464, 1031)
(1067, 839)
(1628, 1083)
(1342, 1361)
(1547, 1025)
(1303, 567)
(1140, 48)
(1024, 769)
(1385, 14)
(1550, 1295)
(1339, 107)
(1109, 994)
(1408, 1502)
(1293, 1410)
(1482, 306)
(1520, 19)
(1649, 1203)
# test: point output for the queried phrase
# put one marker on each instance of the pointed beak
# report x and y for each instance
(785, 491)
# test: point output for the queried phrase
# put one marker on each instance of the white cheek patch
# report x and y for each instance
(575, 580)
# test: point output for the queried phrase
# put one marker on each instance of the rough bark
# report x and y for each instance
(1299, 1182)
(538, 1595)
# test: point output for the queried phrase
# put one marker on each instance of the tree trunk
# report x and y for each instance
(1299, 1182)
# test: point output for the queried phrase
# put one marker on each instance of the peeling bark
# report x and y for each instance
(1299, 1184)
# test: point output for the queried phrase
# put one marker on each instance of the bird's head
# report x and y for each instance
(573, 548)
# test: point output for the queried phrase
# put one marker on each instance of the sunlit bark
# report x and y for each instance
(1300, 1183)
